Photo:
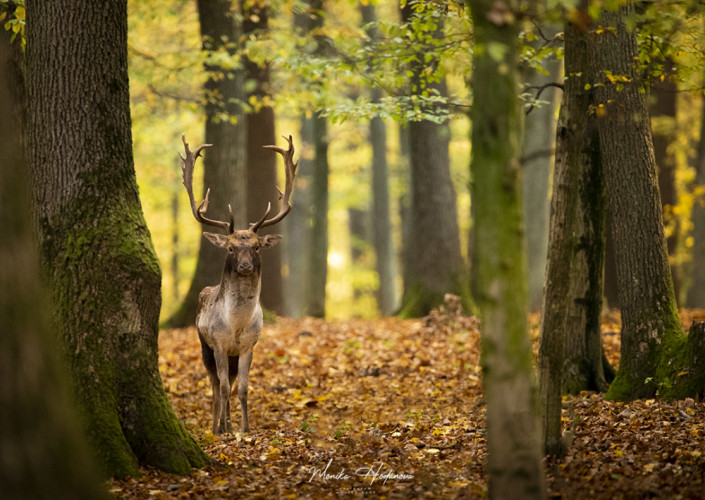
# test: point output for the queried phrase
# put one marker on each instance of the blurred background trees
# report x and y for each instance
(374, 76)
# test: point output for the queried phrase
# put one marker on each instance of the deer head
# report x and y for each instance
(243, 245)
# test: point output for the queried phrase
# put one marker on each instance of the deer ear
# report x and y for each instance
(219, 240)
(270, 240)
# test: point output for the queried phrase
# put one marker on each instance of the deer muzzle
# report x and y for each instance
(245, 268)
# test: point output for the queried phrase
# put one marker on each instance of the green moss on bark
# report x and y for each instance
(681, 371)
(105, 278)
(658, 358)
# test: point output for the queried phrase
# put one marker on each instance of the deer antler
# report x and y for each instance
(290, 167)
(187, 165)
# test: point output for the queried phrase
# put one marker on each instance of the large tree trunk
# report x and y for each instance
(513, 428)
(570, 348)
(435, 263)
(653, 345)
(262, 163)
(96, 250)
(45, 456)
(224, 163)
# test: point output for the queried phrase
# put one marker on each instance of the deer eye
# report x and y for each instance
(231, 250)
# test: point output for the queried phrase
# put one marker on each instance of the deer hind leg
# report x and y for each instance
(243, 380)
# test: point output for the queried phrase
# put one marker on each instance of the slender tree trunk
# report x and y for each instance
(385, 261)
(358, 229)
(175, 244)
(407, 250)
(651, 332)
(381, 222)
(96, 250)
(224, 163)
(538, 154)
(313, 263)
(359, 233)
(436, 267)
(298, 229)
(556, 301)
(513, 427)
(45, 455)
(262, 163)
(696, 293)
(570, 348)
(318, 270)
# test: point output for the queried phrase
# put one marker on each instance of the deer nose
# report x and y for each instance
(244, 268)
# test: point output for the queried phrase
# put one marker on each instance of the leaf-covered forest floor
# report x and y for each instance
(390, 408)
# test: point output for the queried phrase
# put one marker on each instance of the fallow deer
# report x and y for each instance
(229, 317)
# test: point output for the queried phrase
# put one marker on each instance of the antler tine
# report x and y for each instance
(290, 169)
(187, 166)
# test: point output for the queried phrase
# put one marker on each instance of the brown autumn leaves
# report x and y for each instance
(392, 408)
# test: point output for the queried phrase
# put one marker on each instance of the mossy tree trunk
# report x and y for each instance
(570, 347)
(514, 448)
(435, 265)
(44, 456)
(223, 164)
(96, 250)
(262, 163)
(654, 347)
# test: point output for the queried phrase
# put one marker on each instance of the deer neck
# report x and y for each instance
(241, 291)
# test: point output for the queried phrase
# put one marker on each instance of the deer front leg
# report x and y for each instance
(243, 380)
(222, 393)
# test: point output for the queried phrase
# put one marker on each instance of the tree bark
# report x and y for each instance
(224, 163)
(435, 263)
(96, 250)
(262, 163)
(651, 330)
(513, 427)
(570, 347)
(45, 456)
